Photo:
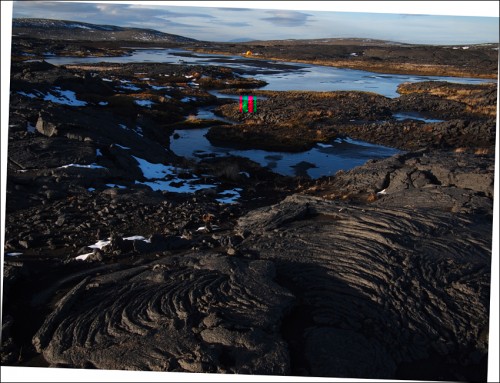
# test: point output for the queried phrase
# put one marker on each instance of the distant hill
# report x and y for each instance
(357, 41)
(241, 40)
(331, 41)
(76, 30)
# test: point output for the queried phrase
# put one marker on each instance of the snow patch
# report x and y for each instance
(91, 166)
(164, 178)
(154, 171)
(139, 131)
(78, 26)
(66, 97)
(13, 254)
(146, 103)
(58, 96)
(130, 87)
(103, 243)
(229, 196)
(122, 147)
(137, 238)
(83, 257)
(324, 145)
(156, 87)
(100, 244)
(30, 128)
(175, 186)
(30, 95)
(116, 186)
(103, 103)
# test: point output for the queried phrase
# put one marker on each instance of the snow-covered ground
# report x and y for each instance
(166, 178)
(116, 186)
(146, 103)
(230, 196)
(130, 87)
(91, 166)
(56, 95)
(103, 243)
(122, 147)
(30, 128)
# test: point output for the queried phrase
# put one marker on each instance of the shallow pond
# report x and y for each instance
(324, 159)
(278, 75)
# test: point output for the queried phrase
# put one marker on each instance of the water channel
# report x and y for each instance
(322, 160)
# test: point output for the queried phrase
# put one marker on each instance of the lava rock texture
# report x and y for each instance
(197, 313)
(382, 271)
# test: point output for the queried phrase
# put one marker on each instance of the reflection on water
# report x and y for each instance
(207, 113)
(322, 160)
(278, 75)
(232, 96)
(414, 116)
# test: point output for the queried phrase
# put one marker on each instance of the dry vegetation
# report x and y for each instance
(478, 99)
(401, 65)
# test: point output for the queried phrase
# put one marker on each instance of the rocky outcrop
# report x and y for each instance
(197, 313)
(296, 121)
(395, 288)
(425, 179)
(379, 272)
(377, 287)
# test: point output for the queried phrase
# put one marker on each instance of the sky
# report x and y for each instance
(239, 24)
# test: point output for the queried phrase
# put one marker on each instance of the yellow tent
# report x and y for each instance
(249, 53)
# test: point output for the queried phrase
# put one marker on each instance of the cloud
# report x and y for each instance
(234, 9)
(164, 26)
(222, 24)
(162, 9)
(285, 18)
(233, 23)
(406, 15)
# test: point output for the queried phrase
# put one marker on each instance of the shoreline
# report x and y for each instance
(382, 68)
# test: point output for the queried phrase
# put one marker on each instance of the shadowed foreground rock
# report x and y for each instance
(396, 288)
(190, 313)
(378, 287)
(380, 292)
(384, 272)
(447, 181)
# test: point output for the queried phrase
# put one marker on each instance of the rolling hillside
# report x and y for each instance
(73, 30)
